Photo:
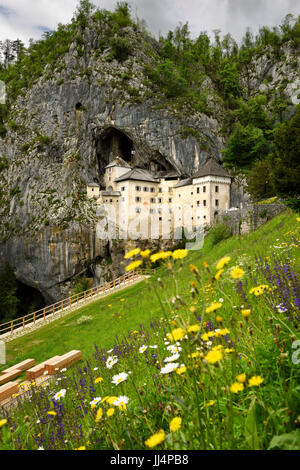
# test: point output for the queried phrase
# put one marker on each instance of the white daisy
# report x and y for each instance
(60, 394)
(117, 379)
(111, 360)
(121, 401)
(143, 348)
(95, 401)
(172, 358)
(169, 368)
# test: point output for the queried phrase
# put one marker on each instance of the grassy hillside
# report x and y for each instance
(206, 356)
(112, 317)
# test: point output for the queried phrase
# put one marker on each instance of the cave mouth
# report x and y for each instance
(112, 144)
(30, 299)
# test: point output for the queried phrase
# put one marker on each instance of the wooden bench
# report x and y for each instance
(39, 369)
(7, 390)
(9, 376)
(21, 366)
(66, 360)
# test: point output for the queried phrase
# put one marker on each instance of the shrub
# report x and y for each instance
(220, 232)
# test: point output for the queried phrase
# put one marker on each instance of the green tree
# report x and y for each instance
(245, 146)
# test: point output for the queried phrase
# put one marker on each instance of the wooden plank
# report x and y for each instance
(7, 390)
(9, 376)
(27, 364)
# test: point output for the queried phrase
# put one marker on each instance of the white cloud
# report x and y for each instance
(24, 18)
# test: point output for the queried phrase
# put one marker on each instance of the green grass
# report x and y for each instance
(140, 305)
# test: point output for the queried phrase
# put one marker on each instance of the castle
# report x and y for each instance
(163, 198)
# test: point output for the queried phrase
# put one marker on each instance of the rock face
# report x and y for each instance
(68, 126)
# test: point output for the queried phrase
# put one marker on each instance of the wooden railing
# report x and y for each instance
(50, 310)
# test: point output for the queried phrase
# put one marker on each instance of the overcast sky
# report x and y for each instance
(26, 19)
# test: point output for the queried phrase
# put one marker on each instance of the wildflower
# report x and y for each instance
(117, 379)
(193, 328)
(192, 309)
(99, 415)
(210, 403)
(173, 348)
(94, 402)
(172, 358)
(2, 422)
(121, 402)
(194, 269)
(142, 348)
(109, 400)
(145, 253)
(222, 262)
(52, 413)
(255, 381)
(81, 448)
(241, 377)
(246, 313)
(236, 272)
(218, 274)
(229, 350)
(98, 380)
(236, 387)
(205, 265)
(169, 368)
(60, 394)
(219, 319)
(110, 361)
(213, 306)
(181, 370)
(132, 253)
(132, 266)
(110, 412)
(176, 334)
(175, 424)
(41, 448)
(156, 439)
(179, 254)
(214, 356)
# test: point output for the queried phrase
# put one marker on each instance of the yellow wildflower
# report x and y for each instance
(98, 380)
(205, 264)
(176, 334)
(52, 413)
(255, 381)
(110, 411)
(145, 253)
(210, 403)
(179, 254)
(194, 269)
(214, 356)
(222, 262)
(241, 377)
(246, 312)
(175, 424)
(132, 266)
(217, 276)
(236, 387)
(132, 253)
(2, 422)
(156, 439)
(193, 328)
(219, 319)
(99, 414)
(213, 306)
(181, 370)
(80, 448)
(236, 272)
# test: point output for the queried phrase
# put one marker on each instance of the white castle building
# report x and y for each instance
(162, 202)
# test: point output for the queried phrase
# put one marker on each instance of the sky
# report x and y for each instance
(25, 19)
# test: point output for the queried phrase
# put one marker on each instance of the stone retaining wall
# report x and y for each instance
(250, 217)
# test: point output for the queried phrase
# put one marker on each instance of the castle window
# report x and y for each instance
(152, 190)
(198, 203)
(145, 189)
(138, 199)
(204, 217)
(192, 193)
(123, 188)
(204, 203)
(217, 202)
(152, 199)
(160, 190)
(217, 189)
(198, 190)
(138, 188)
(138, 210)
(204, 189)
(152, 211)
(170, 199)
(160, 218)
(159, 199)
(110, 200)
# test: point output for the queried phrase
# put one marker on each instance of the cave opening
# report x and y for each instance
(30, 299)
(112, 144)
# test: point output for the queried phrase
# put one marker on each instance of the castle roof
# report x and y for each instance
(93, 185)
(185, 182)
(211, 168)
(118, 162)
(137, 174)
